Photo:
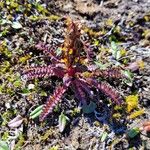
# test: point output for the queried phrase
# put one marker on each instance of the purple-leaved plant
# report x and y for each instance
(70, 68)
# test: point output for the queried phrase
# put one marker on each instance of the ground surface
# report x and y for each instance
(127, 22)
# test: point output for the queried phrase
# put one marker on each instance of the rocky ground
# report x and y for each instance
(107, 25)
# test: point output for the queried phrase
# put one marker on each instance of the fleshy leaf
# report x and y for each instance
(3, 145)
(115, 51)
(87, 109)
(36, 112)
(115, 73)
(54, 99)
(40, 72)
(128, 74)
(62, 122)
(16, 25)
(129, 77)
(106, 89)
(104, 136)
(133, 132)
(101, 65)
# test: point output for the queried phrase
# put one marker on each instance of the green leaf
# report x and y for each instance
(3, 145)
(129, 77)
(96, 42)
(4, 21)
(128, 82)
(133, 132)
(34, 18)
(101, 65)
(17, 83)
(4, 32)
(62, 122)
(58, 51)
(87, 109)
(25, 91)
(128, 74)
(115, 51)
(36, 112)
(118, 55)
(54, 147)
(20, 142)
(104, 136)
(16, 25)
(43, 93)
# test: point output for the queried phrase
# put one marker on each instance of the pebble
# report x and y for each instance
(31, 86)
(144, 43)
(7, 105)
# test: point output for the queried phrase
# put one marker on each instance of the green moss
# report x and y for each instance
(4, 50)
(5, 135)
(4, 32)
(75, 111)
(47, 134)
(41, 9)
(20, 142)
(6, 116)
(54, 147)
(1, 4)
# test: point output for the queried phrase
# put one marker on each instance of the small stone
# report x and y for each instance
(31, 86)
(7, 105)
(144, 43)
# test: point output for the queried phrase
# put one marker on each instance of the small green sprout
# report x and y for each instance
(4, 145)
(104, 136)
(62, 122)
(36, 112)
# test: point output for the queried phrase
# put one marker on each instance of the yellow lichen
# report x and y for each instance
(109, 22)
(147, 18)
(96, 42)
(117, 107)
(136, 114)
(47, 134)
(87, 74)
(64, 60)
(70, 51)
(117, 115)
(141, 64)
(91, 32)
(5, 135)
(6, 117)
(123, 52)
(54, 17)
(132, 102)
(24, 58)
(20, 142)
(4, 50)
(54, 147)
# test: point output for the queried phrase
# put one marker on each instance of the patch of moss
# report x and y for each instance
(6, 116)
(20, 142)
(47, 134)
